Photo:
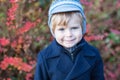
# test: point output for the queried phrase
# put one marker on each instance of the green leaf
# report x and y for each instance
(43, 3)
(2, 15)
(114, 37)
(112, 59)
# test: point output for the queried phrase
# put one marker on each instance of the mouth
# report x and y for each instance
(69, 41)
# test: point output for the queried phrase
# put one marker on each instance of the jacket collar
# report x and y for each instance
(57, 49)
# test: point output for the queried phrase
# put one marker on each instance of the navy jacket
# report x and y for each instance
(55, 63)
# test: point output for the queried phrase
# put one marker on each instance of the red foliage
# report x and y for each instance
(87, 3)
(11, 15)
(90, 37)
(13, 1)
(4, 41)
(9, 79)
(118, 4)
(15, 62)
(16, 44)
(28, 26)
(28, 76)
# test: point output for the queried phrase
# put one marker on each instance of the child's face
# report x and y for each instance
(69, 35)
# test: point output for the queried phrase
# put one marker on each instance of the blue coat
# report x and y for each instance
(55, 63)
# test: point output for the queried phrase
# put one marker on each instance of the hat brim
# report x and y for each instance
(65, 8)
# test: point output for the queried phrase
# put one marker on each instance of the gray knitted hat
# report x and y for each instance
(58, 6)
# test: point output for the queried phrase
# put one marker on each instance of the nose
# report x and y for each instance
(68, 33)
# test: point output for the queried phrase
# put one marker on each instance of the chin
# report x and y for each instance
(69, 46)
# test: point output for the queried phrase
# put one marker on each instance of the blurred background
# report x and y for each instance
(24, 32)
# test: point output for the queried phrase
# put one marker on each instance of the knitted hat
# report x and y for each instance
(58, 6)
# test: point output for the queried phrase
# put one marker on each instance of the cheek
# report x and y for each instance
(59, 39)
(58, 35)
(78, 35)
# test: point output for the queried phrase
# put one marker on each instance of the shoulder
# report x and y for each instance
(50, 51)
(91, 50)
(45, 51)
(92, 54)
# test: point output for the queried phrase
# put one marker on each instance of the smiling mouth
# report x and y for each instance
(69, 41)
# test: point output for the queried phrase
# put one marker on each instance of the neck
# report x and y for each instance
(71, 49)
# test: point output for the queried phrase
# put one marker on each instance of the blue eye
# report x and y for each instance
(75, 28)
(61, 29)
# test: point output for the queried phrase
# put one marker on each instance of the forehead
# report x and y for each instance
(67, 18)
(74, 21)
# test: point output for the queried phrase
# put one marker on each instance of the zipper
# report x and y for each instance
(72, 56)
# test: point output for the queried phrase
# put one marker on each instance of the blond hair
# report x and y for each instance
(62, 19)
